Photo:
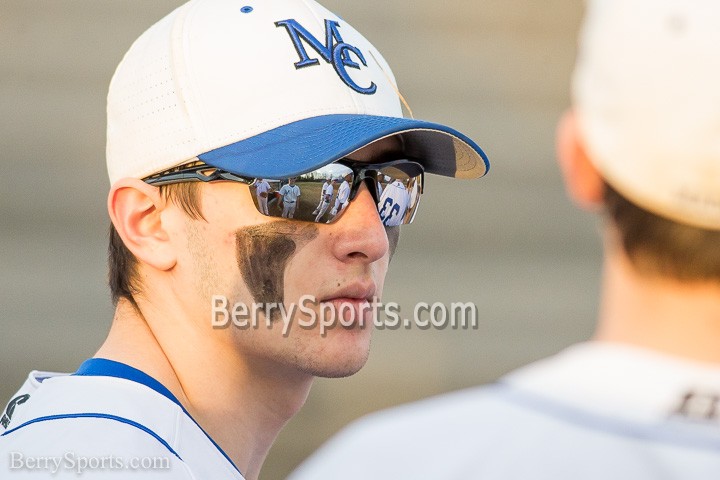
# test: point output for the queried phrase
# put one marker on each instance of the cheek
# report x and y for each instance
(264, 253)
(202, 261)
(262, 258)
(304, 272)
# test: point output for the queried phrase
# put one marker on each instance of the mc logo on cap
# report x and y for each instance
(335, 51)
(263, 89)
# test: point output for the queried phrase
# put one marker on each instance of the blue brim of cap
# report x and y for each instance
(308, 144)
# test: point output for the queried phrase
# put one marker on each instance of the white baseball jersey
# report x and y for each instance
(290, 193)
(342, 196)
(594, 412)
(393, 204)
(322, 193)
(107, 420)
(262, 187)
(327, 192)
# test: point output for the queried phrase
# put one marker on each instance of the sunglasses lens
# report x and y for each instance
(399, 188)
(322, 195)
(317, 196)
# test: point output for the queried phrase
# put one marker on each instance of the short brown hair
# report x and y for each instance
(122, 275)
(659, 246)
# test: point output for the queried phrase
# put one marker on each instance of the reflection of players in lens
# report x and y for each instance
(322, 195)
(262, 190)
(382, 182)
(393, 203)
(327, 194)
(289, 194)
(343, 197)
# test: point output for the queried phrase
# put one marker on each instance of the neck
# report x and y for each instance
(659, 313)
(242, 403)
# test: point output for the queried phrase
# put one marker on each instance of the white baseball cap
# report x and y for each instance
(647, 97)
(263, 89)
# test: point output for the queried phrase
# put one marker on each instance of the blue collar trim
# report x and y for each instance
(102, 367)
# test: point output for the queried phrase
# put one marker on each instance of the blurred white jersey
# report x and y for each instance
(261, 186)
(342, 198)
(595, 411)
(343, 192)
(327, 192)
(289, 193)
(107, 420)
(393, 204)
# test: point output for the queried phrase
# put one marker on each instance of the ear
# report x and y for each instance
(583, 183)
(135, 210)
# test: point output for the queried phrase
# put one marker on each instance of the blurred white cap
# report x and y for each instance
(647, 97)
(263, 89)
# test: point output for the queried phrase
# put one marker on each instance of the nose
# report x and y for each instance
(360, 234)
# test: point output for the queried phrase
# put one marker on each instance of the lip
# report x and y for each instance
(359, 291)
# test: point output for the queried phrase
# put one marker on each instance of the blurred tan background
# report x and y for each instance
(497, 70)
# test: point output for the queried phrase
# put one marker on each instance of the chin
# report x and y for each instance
(339, 370)
(339, 354)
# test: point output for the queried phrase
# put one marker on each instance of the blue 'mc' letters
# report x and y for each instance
(340, 52)
(335, 51)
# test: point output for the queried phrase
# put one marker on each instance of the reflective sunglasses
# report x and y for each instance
(322, 195)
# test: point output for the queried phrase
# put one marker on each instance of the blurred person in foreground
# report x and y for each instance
(213, 97)
(641, 400)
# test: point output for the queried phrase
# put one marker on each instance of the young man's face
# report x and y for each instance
(250, 258)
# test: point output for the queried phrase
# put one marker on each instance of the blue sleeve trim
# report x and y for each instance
(669, 433)
(102, 367)
(97, 415)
